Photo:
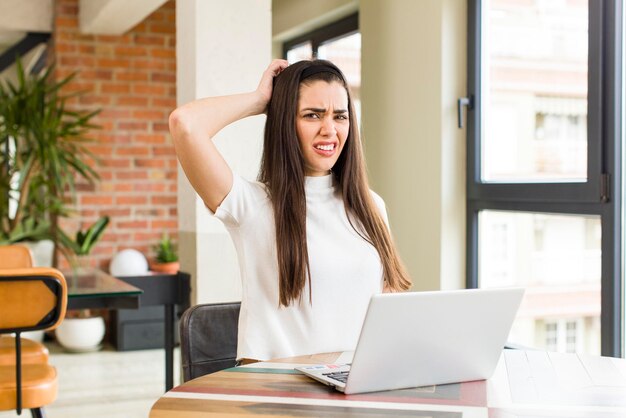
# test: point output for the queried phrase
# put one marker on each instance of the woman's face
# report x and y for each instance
(322, 125)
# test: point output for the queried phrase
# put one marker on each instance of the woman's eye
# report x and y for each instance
(342, 117)
(311, 116)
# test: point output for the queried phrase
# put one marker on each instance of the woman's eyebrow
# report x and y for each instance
(321, 110)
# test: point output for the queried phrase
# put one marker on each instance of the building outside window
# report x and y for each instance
(541, 214)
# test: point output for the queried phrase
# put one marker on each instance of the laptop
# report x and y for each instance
(425, 338)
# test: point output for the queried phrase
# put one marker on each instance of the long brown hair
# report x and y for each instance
(283, 172)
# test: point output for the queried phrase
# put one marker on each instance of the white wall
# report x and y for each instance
(413, 70)
(222, 48)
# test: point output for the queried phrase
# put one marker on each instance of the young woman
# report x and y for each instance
(311, 238)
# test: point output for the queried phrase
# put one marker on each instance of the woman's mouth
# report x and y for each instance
(325, 149)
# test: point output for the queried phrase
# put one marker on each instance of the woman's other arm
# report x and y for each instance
(194, 124)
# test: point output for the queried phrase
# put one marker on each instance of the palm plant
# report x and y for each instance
(42, 152)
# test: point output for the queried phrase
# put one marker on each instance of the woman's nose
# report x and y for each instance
(328, 127)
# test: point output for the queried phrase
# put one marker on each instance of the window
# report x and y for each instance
(340, 43)
(544, 167)
(564, 335)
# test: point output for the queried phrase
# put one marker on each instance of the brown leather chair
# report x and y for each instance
(208, 338)
(12, 257)
(30, 299)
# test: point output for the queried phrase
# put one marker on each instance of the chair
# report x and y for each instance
(11, 257)
(30, 299)
(208, 338)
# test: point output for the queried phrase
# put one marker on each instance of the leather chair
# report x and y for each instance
(208, 338)
(11, 257)
(30, 299)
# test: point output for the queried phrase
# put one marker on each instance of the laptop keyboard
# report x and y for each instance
(338, 376)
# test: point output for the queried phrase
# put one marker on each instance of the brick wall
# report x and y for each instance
(132, 78)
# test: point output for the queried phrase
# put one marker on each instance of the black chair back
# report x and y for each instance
(208, 338)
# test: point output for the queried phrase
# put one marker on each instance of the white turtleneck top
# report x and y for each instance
(345, 272)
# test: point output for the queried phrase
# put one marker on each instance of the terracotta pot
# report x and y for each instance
(170, 268)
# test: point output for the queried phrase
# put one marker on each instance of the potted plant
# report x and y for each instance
(42, 153)
(82, 329)
(166, 259)
(78, 249)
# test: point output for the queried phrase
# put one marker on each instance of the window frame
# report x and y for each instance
(342, 27)
(599, 195)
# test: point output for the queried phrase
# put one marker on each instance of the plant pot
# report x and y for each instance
(81, 334)
(42, 251)
(169, 268)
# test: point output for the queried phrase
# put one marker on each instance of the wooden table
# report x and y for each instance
(525, 384)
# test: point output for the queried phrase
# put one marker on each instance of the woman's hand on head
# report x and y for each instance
(264, 91)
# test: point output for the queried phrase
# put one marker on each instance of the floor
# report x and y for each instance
(107, 383)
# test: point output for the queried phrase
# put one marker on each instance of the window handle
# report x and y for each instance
(463, 101)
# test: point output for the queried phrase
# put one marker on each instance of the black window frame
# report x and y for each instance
(342, 27)
(599, 195)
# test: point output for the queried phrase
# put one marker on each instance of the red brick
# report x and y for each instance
(133, 150)
(150, 65)
(131, 51)
(96, 200)
(163, 200)
(115, 113)
(150, 139)
(112, 63)
(95, 100)
(150, 212)
(170, 224)
(131, 76)
(86, 49)
(131, 175)
(132, 126)
(132, 224)
(149, 40)
(166, 53)
(65, 22)
(100, 150)
(163, 150)
(147, 236)
(163, 77)
(132, 101)
(149, 187)
(160, 127)
(115, 212)
(149, 162)
(77, 61)
(131, 200)
(169, 103)
(149, 89)
(115, 88)
(148, 114)
(167, 28)
(65, 47)
(116, 162)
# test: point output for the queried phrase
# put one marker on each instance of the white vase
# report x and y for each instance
(81, 334)
(42, 252)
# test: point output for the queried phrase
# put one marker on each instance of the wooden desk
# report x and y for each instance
(525, 384)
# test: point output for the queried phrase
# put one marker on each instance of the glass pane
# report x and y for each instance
(300, 52)
(345, 52)
(557, 258)
(534, 78)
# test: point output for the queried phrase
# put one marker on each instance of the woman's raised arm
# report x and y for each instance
(194, 124)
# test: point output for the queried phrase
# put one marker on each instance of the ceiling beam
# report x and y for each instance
(114, 17)
(26, 15)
